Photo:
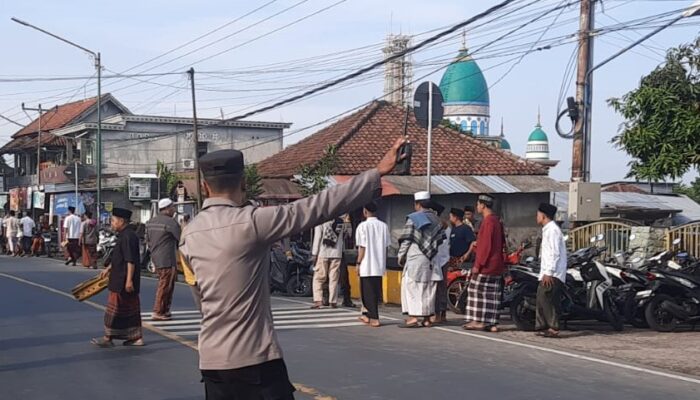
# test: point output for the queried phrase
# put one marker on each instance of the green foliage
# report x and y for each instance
(313, 177)
(692, 190)
(168, 178)
(253, 182)
(661, 131)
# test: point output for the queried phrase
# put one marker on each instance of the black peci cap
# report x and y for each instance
(547, 209)
(221, 162)
(122, 213)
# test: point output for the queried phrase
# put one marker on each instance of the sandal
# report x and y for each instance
(551, 335)
(375, 324)
(468, 327)
(315, 306)
(135, 343)
(491, 329)
(102, 343)
(364, 320)
(413, 325)
(427, 324)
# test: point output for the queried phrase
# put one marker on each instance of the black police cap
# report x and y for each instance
(221, 162)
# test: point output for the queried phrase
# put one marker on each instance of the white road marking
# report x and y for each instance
(294, 321)
(175, 322)
(573, 355)
(317, 326)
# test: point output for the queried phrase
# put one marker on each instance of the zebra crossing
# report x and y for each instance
(186, 323)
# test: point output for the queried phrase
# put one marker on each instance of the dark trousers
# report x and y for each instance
(268, 381)
(164, 292)
(344, 282)
(73, 250)
(549, 306)
(27, 244)
(371, 291)
(441, 292)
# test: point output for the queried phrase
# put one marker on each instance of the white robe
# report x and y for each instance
(418, 284)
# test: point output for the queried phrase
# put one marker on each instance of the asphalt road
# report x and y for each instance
(45, 353)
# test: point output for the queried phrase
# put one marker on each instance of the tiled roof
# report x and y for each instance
(363, 137)
(58, 117)
(28, 142)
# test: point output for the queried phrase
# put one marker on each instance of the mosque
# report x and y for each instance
(467, 106)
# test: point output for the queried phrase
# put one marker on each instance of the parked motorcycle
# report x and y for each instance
(291, 273)
(591, 297)
(105, 245)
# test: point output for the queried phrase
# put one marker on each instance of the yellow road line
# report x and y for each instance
(191, 344)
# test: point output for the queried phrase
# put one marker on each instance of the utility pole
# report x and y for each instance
(580, 170)
(41, 112)
(98, 156)
(195, 141)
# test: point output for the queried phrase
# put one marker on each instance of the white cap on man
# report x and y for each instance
(164, 203)
(420, 196)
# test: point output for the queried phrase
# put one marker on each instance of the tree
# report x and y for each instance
(692, 190)
(253, 182)
(314, 177)
(661, 131)
(168, 178)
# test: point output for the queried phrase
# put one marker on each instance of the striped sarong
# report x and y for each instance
(123, 316)
(484, 298)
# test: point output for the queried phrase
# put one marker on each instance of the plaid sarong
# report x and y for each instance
(484, 298)
(123, 316)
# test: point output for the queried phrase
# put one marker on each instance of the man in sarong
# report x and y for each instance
(486, 282)
(123, 312)
(418, 245)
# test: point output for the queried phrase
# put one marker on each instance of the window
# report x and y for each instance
(464, 126)
(202, 148)
(475, 126)
(87, 152)
(483, 128)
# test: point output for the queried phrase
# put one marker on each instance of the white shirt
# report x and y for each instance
(27, 226)
(11, 226)
(374, 236)
(321, 250)
(72, 226)
(553, 252)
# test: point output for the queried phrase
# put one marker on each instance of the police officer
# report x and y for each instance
(227, 246)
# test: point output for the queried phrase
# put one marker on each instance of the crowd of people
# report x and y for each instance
(431, 245)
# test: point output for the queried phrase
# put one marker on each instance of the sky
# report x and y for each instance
(248, 54)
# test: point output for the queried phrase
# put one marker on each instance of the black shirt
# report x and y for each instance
(460, 239)
(125, 251)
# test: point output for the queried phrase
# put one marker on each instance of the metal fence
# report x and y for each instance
(689, 235)
(616, 234)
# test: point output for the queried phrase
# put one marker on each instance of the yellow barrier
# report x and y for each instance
(391, 285)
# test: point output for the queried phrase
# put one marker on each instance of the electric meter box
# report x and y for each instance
(584, 201)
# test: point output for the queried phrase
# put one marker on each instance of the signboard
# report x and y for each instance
(14, 199)
(140, 186)
(108, 206)
(420, 104)
(39, 200)
(64, 200)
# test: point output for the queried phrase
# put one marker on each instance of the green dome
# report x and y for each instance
(464, 83)
(504, 144)
(538, 135)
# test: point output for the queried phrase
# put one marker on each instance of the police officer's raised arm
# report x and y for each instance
(274, 223)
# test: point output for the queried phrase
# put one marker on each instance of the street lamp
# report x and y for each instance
(98, 67)
(692, 11)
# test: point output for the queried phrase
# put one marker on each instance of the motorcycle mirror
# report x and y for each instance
(633, 236)
(593, 239)
(676, 241)
(566, 238)
(530, 259)
(600, 237)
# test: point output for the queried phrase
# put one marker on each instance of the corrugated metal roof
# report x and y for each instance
(499, 184)
(690, 210)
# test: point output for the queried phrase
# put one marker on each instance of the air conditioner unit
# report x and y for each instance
(187, 163)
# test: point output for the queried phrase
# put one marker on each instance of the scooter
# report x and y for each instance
(105, 245)
(291, 273)
(591, 298)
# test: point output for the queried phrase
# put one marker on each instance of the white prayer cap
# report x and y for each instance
(421, 196)
(164, 203)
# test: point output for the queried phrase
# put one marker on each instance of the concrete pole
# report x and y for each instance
(585, 56)
(430, 130)
(195, 140)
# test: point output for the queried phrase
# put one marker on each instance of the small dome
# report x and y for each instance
(504, 144)
(463, 82)
(538, 135)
